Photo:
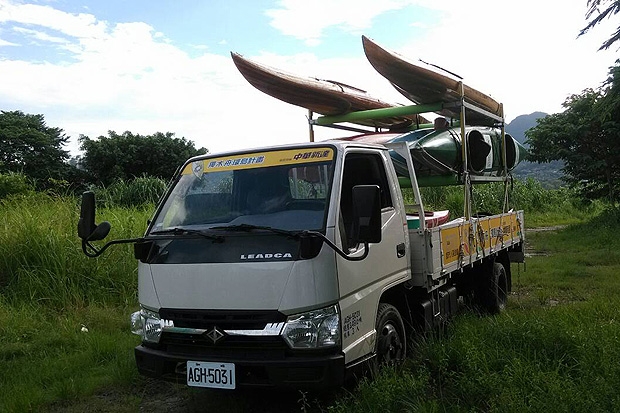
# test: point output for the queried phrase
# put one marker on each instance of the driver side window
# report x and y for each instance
(360, 169)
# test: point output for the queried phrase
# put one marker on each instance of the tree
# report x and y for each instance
(586, 136)
(126, 156)
(595, 15)
(30, 147)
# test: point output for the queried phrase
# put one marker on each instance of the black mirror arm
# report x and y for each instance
(91, 251)
(335, 247)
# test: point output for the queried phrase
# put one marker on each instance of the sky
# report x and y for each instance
(149, 66)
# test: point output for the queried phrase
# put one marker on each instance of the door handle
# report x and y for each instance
(400, 250)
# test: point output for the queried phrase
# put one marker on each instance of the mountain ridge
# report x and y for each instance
(549, 174)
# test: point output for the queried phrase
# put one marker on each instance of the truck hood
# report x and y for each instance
(217, 286)
(287, 286)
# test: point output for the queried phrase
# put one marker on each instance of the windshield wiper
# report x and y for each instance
(301, 234)
(176, 231)
(250, 227)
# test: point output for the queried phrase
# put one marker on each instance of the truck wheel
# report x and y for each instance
(498, 287)
(391, 345)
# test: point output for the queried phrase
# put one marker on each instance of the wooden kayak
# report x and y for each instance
(423, 86)
(324, 97)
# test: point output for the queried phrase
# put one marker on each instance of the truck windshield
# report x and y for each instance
(279, 189)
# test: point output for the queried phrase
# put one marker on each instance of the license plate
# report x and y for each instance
(213, 375)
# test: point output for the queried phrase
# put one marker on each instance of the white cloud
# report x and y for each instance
(124, 77)
(307, 20)
(39, 35)
(76, 25)
(524, 53)
(130, 77)
(127, 77)
(7, 43)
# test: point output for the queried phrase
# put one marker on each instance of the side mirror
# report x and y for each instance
(101, 231)
(367, 213)
(86, 224)
(87, 229)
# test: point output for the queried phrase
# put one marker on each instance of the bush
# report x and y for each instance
(41, 259)
(528, 195)
(138, 192)
(12, 183)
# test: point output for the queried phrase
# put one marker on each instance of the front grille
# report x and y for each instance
(230, 346)
(223, 319)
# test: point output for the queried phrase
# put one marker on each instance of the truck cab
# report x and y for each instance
(298, 266)
(240, 281)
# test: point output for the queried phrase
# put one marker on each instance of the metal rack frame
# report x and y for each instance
(465, 177)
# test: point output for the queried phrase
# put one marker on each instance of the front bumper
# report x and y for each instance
(295, 371)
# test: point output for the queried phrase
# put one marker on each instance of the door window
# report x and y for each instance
(360, 169)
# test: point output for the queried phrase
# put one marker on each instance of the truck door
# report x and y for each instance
(361, 282)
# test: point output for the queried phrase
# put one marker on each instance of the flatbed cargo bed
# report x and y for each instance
(440, 251)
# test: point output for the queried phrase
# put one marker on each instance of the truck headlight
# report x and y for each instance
(314, 329)
(148, 325)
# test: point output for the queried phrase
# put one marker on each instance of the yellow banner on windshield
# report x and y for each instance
(260, 160)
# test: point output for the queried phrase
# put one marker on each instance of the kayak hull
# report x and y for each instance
(437, 154)
(320, 96)
(423, 85)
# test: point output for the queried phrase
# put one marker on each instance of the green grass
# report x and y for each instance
(555, 349)
(41, 258)
(45, 357)
(49, 290)
(562, 359)
(141, 191)
(543, 207)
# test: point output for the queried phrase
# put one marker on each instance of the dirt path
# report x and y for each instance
(543, 229)
(153, 396)
(531, 251)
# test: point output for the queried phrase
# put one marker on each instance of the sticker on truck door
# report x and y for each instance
(351, 324)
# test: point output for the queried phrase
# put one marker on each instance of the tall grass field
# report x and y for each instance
(50, 292)
(555, 349)
(65, 340)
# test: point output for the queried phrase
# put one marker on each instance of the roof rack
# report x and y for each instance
(464, 177)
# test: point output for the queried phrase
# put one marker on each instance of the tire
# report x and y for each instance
(497, 289)
(490, 293)
(391, 343)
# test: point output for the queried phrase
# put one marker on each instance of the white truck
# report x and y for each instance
(298, 266)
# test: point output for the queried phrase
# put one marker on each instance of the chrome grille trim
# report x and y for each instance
(271, 329)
